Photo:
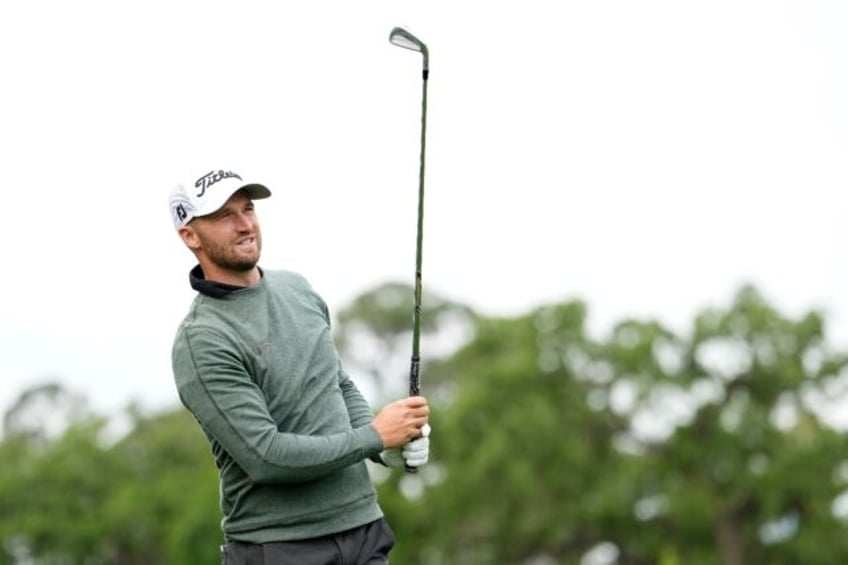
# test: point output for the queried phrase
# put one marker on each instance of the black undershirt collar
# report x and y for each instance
(212, 288)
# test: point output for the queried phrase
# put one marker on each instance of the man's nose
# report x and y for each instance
(244, 221)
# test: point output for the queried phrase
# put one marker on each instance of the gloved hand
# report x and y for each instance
(413, 454)
(417, 452)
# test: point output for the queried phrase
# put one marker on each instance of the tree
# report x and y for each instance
(51, 495)
(167, 508)
(43, 412)
(76, 497)
(645, 447)
(549, 446)
(374, 334)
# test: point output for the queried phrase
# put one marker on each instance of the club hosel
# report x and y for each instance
(425, 74)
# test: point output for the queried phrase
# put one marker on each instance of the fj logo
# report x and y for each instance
(181, 212)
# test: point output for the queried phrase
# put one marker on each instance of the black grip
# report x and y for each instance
(414, 390)
(414, 379)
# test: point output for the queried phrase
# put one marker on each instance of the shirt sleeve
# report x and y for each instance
(357, 407)
(215, 387)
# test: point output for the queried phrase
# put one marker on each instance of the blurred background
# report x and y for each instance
(633, 266)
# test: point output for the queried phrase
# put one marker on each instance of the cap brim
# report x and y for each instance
(255, 191)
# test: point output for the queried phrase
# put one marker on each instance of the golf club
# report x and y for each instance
(403, 38)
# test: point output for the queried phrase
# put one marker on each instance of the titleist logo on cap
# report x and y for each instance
(211, 178)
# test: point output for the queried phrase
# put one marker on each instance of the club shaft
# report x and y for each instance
(414, 380)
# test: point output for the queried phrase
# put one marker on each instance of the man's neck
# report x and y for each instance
(229, 277)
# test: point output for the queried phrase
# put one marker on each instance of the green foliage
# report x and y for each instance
(675, 449)
(151, 498)
(387, 311)
(374, 334)
(548, 446)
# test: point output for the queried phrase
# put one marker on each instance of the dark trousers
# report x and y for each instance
(366, 545)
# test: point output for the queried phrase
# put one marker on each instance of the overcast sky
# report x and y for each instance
(648, 157)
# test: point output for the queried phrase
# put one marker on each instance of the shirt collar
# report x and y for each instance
(212, 288)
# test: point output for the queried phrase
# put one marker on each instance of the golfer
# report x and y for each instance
(254, 362)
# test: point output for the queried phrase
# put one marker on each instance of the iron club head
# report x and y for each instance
(404, 38)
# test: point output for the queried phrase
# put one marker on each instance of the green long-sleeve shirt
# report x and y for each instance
(288, 428)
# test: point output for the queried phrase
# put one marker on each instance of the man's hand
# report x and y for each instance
(413, 454)
(417, 452)
(402, 421)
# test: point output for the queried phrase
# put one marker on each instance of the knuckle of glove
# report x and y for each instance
(417, 460)
(416, 446)
(417, 453)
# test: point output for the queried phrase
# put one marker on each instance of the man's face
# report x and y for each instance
(229, 238)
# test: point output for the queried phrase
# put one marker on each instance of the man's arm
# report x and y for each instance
(357, 407)
(233, 410)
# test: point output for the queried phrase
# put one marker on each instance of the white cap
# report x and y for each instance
(209, 192)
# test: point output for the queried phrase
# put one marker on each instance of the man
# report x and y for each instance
(255, 364)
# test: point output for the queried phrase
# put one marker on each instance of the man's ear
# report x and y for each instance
(189, 237)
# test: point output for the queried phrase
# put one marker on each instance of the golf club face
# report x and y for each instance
(403, 38)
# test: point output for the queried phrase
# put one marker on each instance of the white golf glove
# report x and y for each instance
(413, 454)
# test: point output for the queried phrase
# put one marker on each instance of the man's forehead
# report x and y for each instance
(239, 196)
(239, 199)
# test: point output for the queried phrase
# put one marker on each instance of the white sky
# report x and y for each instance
(648, 157)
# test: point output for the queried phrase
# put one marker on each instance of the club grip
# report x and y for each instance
(414, 390)
(414, 379)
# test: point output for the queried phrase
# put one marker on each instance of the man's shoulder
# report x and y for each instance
(286, 279)
(200, 314)
(293, 287)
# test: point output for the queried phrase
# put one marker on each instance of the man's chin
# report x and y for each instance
(239, 265)
(245, 266)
